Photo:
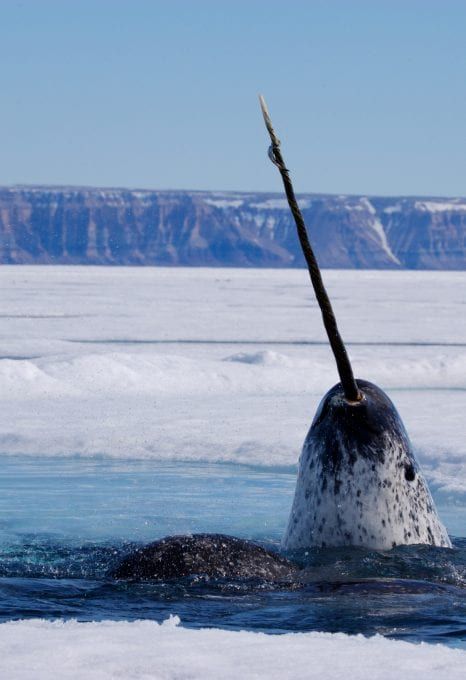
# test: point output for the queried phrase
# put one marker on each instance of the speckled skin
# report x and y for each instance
(358, 480)
(211, 555)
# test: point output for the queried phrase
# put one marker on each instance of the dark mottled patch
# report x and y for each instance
(410, 473)
(213, 555)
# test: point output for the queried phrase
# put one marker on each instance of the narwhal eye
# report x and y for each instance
(410, 473)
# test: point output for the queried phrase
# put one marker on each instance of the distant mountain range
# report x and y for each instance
(73, 225)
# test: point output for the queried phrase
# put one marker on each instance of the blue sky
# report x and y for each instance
(367, 97)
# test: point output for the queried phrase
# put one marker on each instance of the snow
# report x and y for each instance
(377, 226)
(224, 203)
(279, 204)
(367, 205)
(440, 206)
(209, 364)
(144, 649)
(263, 358)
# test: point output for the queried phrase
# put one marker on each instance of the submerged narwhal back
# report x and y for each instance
(358, 480)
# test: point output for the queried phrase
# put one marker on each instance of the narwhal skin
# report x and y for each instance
(358, 480)
(207, 555)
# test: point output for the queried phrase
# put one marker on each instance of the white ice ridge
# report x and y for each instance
(145, 649)
(377, 226)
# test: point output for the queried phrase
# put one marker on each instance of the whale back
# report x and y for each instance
(203, 555)
(358, 481)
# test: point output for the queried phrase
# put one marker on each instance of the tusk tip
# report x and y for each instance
(263, 104)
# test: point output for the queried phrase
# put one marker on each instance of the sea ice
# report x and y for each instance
(222, 364)
(144, 649)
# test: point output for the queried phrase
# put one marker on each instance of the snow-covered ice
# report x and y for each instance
(219, 365)
(144, 649)
(212, 364)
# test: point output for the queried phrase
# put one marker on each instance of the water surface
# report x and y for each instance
(64, 523)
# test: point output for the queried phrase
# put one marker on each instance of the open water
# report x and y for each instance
(64, 523)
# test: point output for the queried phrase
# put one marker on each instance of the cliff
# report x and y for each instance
(120, 226)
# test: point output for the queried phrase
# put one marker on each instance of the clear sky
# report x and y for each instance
(367, 97)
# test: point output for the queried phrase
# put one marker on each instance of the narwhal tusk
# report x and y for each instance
(344, 368)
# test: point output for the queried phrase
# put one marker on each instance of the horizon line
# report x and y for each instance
(89, 187)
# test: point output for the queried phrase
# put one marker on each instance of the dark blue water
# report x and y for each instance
(65, 523)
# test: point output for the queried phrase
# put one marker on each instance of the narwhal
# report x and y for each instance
(358, 483)
(358, 480)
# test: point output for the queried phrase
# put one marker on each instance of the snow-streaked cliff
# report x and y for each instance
(122, 226)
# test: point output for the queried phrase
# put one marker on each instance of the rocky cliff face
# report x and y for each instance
(120, 226)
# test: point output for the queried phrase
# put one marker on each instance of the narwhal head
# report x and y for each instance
(358, 480)
(352, 430)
